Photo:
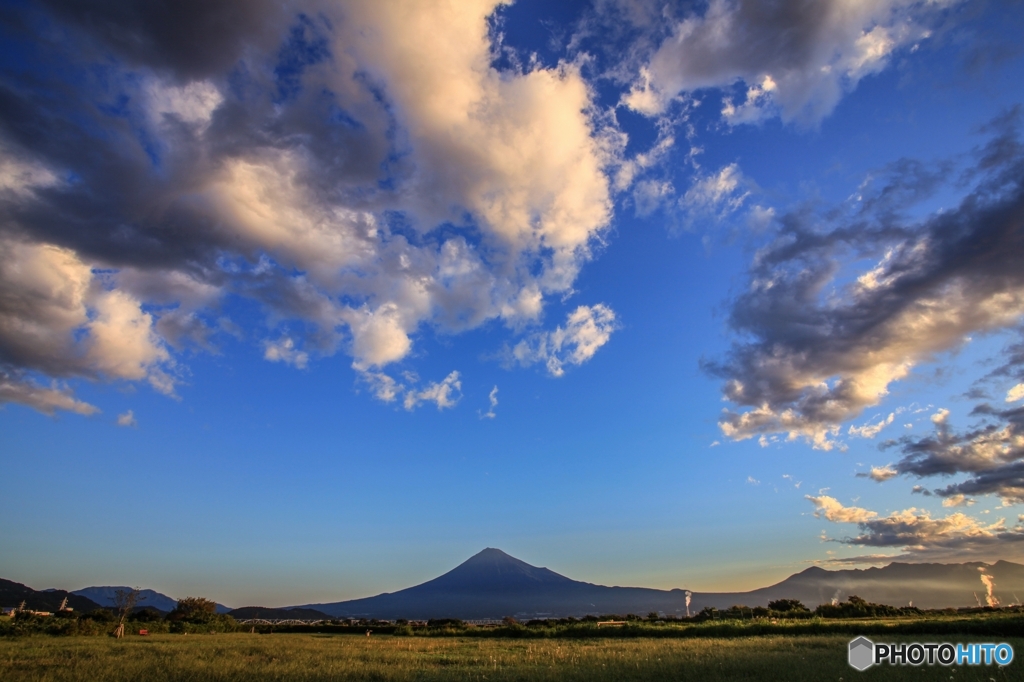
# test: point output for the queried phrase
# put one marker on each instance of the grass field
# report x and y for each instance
(300, 657)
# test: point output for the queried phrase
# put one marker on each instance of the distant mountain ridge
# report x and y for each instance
(106, 596)
(929, 586)
(492, 584)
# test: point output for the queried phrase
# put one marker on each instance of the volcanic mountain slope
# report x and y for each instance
(493, 584)
(12, 594)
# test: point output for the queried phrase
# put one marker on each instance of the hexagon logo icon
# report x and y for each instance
(862, 653)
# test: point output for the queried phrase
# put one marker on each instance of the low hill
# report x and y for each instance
(12, 594)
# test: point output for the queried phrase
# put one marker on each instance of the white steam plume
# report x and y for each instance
(990, 583)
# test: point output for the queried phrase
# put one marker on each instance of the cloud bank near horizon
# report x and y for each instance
(919, 535)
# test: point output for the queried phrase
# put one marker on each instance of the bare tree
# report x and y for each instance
(124, 601)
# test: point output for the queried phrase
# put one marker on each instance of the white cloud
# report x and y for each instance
(758, 104)
(284, 350)
(58, 317)
(881, 474)
(832, 509)
(753, 481)
(1016, 393)
(127, 419)
(871, 430)
(650, 195)
(631, 168)
(957, 501)
(123, 342)
(46, 293)
(193, 102)
(445, 393)
(384, 388)
(586, 329)
(717, 194)
(797, 57)
(22, 176)
(493, 398)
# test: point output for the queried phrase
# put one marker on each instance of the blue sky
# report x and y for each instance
(308, 301)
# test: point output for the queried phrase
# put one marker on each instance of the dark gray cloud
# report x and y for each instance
(189, 38)
(823, 341)
(992, 454)
(1006, 481)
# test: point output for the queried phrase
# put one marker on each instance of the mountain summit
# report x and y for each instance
(492, 570)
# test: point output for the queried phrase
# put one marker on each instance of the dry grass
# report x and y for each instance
(309, 658)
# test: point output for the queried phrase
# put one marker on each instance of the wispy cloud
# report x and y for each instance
(871, 430)
(586, 330)
(493, 398)
(443, 394)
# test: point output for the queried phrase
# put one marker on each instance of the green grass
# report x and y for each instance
(308, 658)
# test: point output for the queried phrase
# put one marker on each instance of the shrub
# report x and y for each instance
(147, 614)
(787, 605)
(193, 610)
(445, 623)
(99, 616)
